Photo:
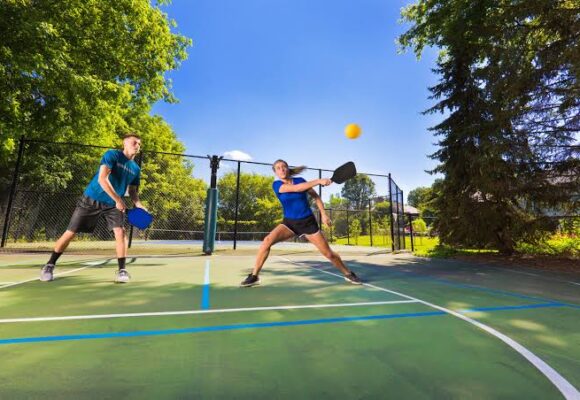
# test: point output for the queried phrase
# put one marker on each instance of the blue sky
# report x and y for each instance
(282, 78)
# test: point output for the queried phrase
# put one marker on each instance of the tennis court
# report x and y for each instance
(184, 329)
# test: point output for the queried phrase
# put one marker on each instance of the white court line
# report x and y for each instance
(37, 279)
(206, 276)
(193, 312)
(565, 387)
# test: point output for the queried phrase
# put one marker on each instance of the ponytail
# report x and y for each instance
(291, 171)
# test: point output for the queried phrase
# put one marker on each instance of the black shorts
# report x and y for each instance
(87, 214)
(304, 226)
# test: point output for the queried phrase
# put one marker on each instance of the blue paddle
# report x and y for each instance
(139, 218)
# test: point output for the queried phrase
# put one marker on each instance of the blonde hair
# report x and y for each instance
(291, 171)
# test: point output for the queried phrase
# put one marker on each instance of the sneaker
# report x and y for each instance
(46, 273)
(122, 276)
(352, 278)
(251, 280)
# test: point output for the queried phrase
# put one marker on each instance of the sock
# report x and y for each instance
(54, 257)
(121, 262)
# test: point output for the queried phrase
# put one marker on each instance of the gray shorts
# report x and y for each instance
(87, 214)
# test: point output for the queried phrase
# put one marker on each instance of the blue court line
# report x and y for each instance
(525, 307)
(480, 288)
(217, 328)
(205, 289)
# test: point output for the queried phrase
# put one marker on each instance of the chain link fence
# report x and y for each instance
(49, 178)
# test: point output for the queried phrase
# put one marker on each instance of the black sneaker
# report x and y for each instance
(46, 273)
(251, 280)
(352, 278)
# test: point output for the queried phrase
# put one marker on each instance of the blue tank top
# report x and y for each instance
(295, 204)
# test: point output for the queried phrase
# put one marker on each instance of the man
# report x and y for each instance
(103, 197)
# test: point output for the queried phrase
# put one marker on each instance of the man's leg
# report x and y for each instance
(121, 244)
(47, 272)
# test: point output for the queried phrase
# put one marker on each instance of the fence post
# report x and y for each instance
(139, 162)
(411, 231)
(347, 228)
(237, 207)
(391, 215)
(12, 191)
(403, 214)
(331, 229)
(320, 186)
(370, 223)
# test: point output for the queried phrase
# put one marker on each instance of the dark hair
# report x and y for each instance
(131, 134)
(291, 171)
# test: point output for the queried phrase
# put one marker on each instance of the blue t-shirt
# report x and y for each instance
(124, 173)
(295, 204)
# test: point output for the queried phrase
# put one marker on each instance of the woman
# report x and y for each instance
(298, 220)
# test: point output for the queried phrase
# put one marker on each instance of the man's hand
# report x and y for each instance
(138, 204)
(120, 204)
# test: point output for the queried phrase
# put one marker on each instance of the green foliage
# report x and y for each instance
(418, 196)
(419, 226)
(382, 209)
(509, 91)
(358, 191)
(555, 245)
(257, 200)
(570, 226)
(336, 202)
(355, 230)
(80, 71)
(423, 199)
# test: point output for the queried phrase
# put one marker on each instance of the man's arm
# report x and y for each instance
(134, 195)
(104, 173)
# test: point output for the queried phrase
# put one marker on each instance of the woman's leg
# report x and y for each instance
(318, 240)
(278, 234)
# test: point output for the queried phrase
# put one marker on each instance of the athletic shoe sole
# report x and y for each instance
(250, 284)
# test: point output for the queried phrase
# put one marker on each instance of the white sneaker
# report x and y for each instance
(46, 273)
(122, 276)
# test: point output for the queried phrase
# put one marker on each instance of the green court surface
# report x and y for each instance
(182, 329)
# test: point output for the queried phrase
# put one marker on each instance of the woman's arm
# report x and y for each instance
(323, 217)
(304, 186)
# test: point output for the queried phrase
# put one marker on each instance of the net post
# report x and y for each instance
(237, 206)
(12, 191)
(210, 224)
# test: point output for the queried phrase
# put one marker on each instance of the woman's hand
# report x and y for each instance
(324, 182)
(325, 220)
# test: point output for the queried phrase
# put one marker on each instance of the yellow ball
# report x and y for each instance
(352, 131)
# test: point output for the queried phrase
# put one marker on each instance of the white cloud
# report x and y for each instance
(237, 155)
